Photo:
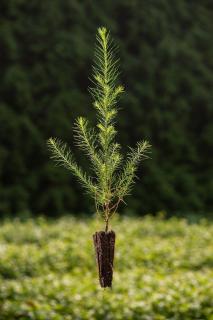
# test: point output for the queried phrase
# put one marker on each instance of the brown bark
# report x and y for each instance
(104, 243)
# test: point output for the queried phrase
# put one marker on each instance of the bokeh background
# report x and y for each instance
(166, 58)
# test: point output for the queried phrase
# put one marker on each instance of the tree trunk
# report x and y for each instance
(104, 243)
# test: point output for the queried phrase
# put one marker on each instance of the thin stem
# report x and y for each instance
(107, 224)
(106, 216)
(115, 205)
(115, 209)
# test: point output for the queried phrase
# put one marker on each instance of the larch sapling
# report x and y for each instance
(112, 178)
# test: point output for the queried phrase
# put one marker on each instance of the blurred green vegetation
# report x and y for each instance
(166, 61)
(163, 270)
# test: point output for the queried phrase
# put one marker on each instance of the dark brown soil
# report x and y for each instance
(104, 243)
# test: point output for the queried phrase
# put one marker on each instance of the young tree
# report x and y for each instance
(112, 182)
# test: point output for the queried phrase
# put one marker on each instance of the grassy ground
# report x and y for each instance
(163, 270)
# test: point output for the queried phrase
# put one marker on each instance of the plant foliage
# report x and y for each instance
(47, 274)
(111, 183)
(45, 55)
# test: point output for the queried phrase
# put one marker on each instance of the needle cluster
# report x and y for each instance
(113, 177)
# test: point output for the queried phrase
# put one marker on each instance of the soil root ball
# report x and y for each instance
(104, 243)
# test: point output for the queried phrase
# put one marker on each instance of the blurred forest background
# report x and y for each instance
(166, 51)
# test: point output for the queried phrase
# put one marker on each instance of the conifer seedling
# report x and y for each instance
(113, 175)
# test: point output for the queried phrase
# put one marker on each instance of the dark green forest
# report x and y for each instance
(166, 59)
